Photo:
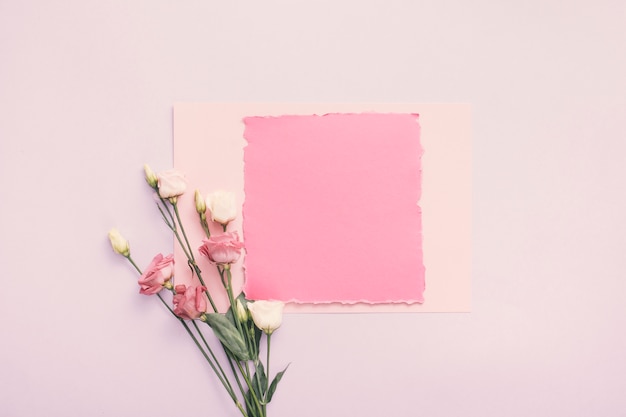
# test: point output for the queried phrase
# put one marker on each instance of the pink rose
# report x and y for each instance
(222, 249)
(189, 302)
(160, 270)
(171, 183)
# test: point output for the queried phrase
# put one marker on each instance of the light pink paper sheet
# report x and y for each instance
(209, 148)
(331, 211)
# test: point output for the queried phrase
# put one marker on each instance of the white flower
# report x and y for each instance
(172, 183)
(267, 315)
(222, 206)
(118, 243)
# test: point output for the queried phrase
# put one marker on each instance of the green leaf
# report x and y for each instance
(258, 333)
(229, 315)
(260, 371)
(228, 334)
(274, 384)
(259, 387)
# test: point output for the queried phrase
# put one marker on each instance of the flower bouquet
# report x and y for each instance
(245, 375)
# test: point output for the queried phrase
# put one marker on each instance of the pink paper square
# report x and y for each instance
(331, 208)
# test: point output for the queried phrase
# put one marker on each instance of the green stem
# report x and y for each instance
(267, 365)
(165, 219)
(186, 247)
(226, 385)
(208, 359)
(252, 337)
(232, 368)
(205, 225)
(171, 224)
(224, 379)
(194, 266)
(134, 264)
(231, 298)
(182, 229)
(167, 306)
(249, 383)
(208, 347)
(267, 373)
(258, 381)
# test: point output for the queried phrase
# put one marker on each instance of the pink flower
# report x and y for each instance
(222, 249)
(189, 302)
(171, 183)
(160, 271)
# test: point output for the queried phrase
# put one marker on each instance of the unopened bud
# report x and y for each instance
(118, 243)
(151, 177)
(200, 204)
(242, 312)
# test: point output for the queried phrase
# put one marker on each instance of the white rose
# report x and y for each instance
(172, 183)
(222, 206)
(267, 315)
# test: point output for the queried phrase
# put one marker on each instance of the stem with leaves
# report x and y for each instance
(237, 333)
(212, 359)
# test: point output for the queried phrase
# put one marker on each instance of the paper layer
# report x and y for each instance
(331, 208)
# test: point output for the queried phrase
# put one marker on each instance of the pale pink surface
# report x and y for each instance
(209, 149)
(86, 95)
(331, 210)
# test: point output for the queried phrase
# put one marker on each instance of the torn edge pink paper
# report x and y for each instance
(331, 211)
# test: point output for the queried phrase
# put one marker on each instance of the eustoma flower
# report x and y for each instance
(222, 249)
(249, 323)
(222, 206)
(172, 183)
(267, 315)
(157, 274)
(189, 302)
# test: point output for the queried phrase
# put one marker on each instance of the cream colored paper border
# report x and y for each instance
(208, 147)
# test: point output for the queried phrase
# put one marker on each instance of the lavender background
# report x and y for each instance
(86, 92)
